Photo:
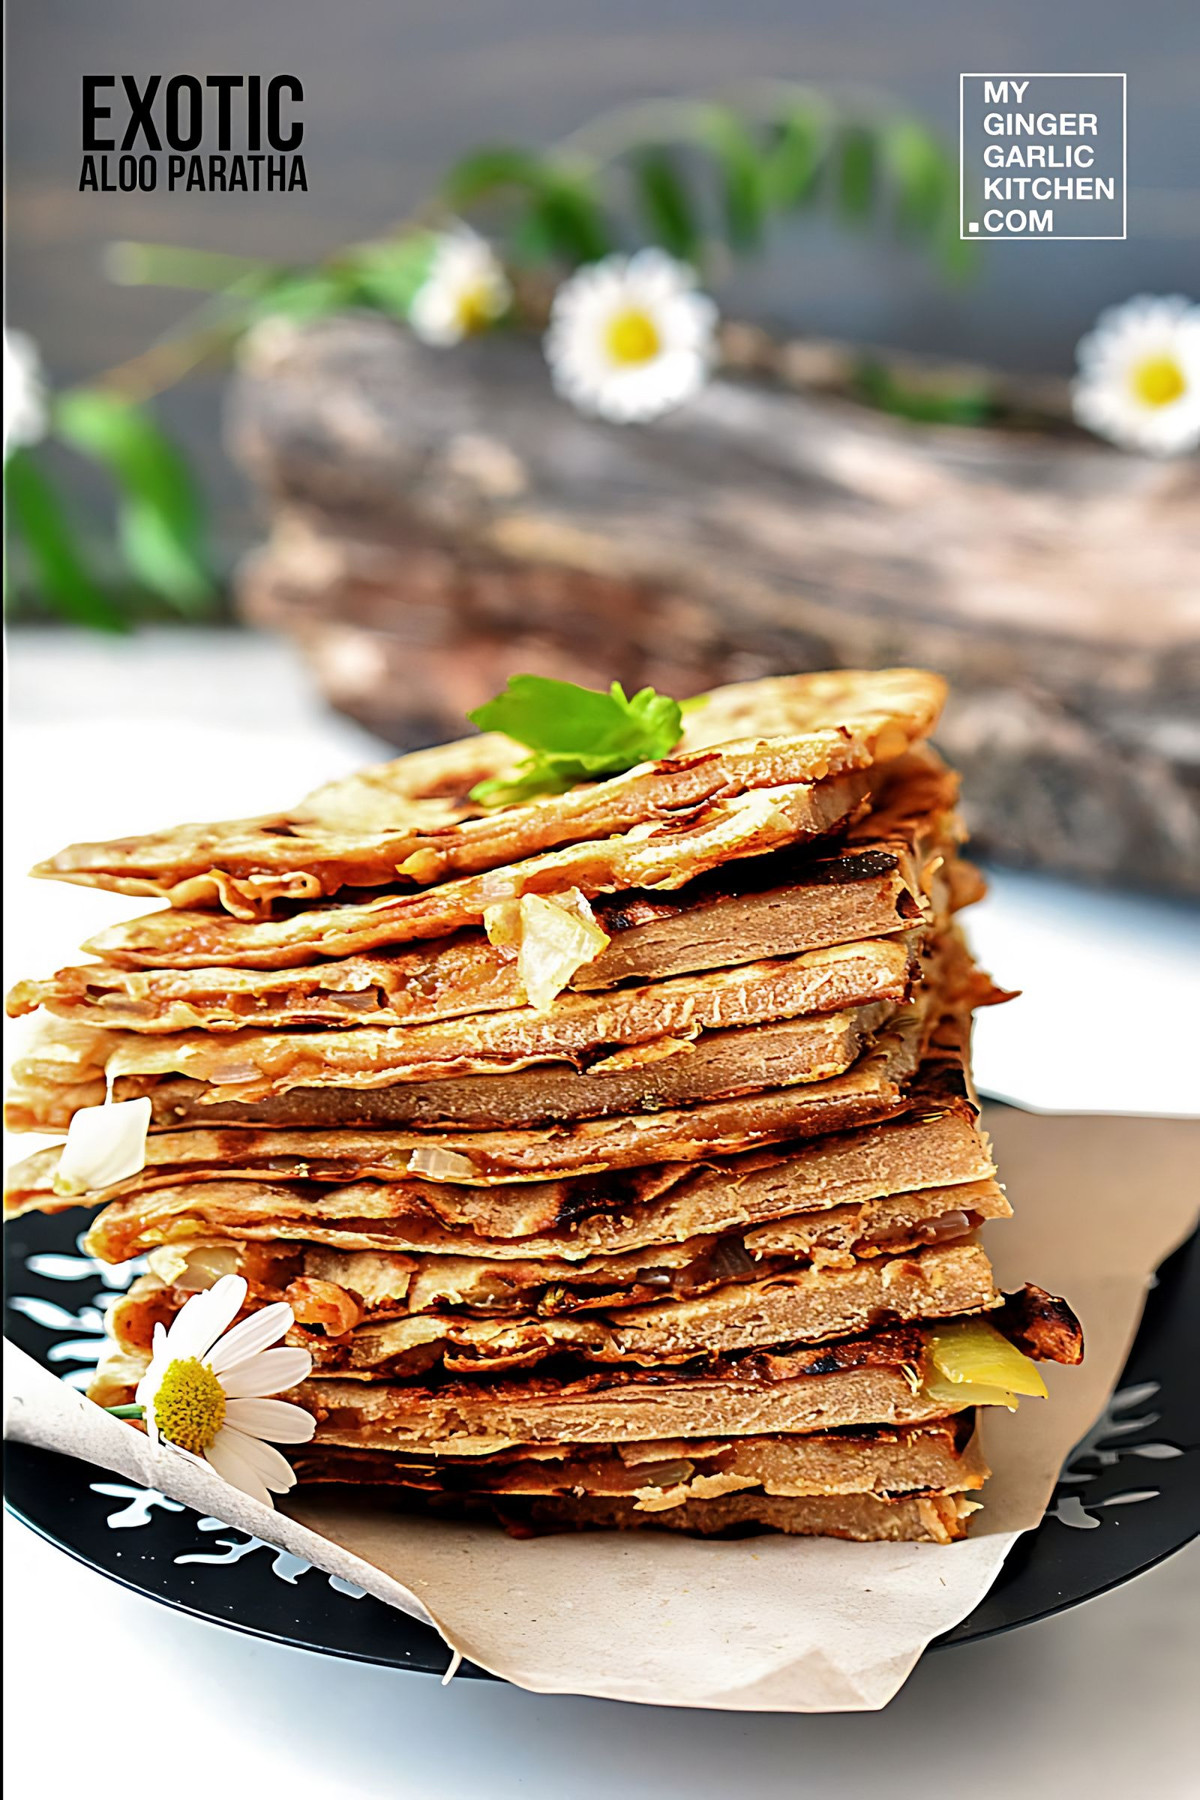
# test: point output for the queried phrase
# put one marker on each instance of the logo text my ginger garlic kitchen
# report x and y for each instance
(223, 134)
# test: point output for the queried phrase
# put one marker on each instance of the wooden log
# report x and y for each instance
(440, 519)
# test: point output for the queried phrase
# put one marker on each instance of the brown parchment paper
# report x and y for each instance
(759, 1624)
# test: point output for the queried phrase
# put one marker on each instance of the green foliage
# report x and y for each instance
(741, 170)
(38, 518)
(389, 274)
(301, 294)
(793, 162)
(857, 173)
(703, 180)
(666, 205)
(929, 402)
(574, 734)
(159, 518)
(563, 211)
(704, 176)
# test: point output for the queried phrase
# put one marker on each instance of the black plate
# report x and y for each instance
(1127, 1496)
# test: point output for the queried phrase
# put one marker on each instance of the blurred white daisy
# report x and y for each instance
(465, 291)
(1139, 375)
(630, 337)
(26, 414)
(206, 1392)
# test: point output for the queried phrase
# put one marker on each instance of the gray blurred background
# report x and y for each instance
(394, 92)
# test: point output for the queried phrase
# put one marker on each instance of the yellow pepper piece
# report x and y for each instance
(955, 1395)
(970, 1352)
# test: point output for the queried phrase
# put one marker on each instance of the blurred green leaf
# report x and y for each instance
(389, 275)
(303, 294)
(959, 256)
(159, 560)
(159, 516)
(571, 216)
(931, 402)
(857, 172)
(920, 171)
(666, 205)
(743, 183)
(794, 160)
(59, 565)
(486, 171)
(563, 202)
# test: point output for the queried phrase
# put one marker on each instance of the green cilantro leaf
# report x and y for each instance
(574, 733)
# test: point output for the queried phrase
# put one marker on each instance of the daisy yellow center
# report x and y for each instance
(632, 337)
(1158, 381)
(189, 1407)
(475, 308)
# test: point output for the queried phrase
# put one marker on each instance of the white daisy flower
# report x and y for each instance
(26, 414)
(630, 337)
(1139, 375)
(465, 290)
(206, 1392)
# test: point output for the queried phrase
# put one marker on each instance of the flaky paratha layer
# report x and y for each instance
(791, 1306)
(657, 1476)
(583, 1031)
(891, 871)
(413, 816)
(337, 1289)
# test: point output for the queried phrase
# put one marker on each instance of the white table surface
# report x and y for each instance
(112, 737)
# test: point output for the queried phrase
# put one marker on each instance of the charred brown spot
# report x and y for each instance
(1041, 1325)
(589, 1195)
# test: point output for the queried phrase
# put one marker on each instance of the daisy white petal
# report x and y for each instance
(630, 337)
(272, 1469)
(465, 290)
(225, 1455)
(278, 1421)
(1139, 375)
(250, 1337)
(26, 415)
(200, 1322)
(270, 1372)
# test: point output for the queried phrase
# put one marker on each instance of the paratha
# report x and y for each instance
(358, 1184)
(928, 1518)
(868, 894)
(413, 818)
(657, 1476)
(335, 1289)
(877, 1379)
(665, 855)
(487, 1123)
(790, 1306)
(600, 1035)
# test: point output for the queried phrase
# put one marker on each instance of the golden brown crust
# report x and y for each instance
(655, 1477)
(667, 855)
(787, 1307)
(581, 1030)
(352, 1187)
(872, 1087)
(337, 1288)
(864, 1518)
(791, 729)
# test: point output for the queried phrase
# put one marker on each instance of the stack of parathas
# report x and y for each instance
(688, 1242)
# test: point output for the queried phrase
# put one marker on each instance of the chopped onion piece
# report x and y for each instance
(105, 1144)
(192, 1268)
(553, 937)
(970, 1351)
(440, 1165)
